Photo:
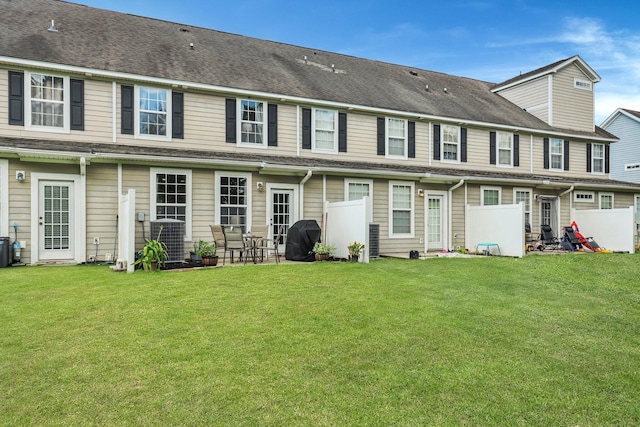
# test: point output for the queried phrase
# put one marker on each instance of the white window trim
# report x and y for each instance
(601, 195)
(582, 84)
(522, 190)
(561, 168)
(593, 159)
(589, 196)
(314, 149)
(348, 181)
(443, 142)
(411, 234)
(66, 105)
(265, 124)
(406, 139)
(486, 187)
(4, 198)
(188, 211)
(511, 149)
(249, 194)
(136, 120)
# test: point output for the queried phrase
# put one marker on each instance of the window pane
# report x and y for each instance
(358, 190)
(491, 197)
(152, 105)
(233, 201)
(251, 121)
(171, 199)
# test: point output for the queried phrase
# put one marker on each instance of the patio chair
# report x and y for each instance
(272, 245)
(570, 240)
(548, 238)
(259, 232)
(233, 241)
(218, 235)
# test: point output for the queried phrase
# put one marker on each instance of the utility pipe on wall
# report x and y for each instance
(450, 209)
(304, 181)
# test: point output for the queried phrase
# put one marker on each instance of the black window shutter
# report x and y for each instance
(589, 157)
(272, 127)
(381, 136)
(546, 153)
(463, 145)
(516, 150)
(126, 104)
(230, 120)
(412, 140)
(177, 115)
(77, 104)
(566, 155)
(306, 128)
(342, 132)
(16, 98)
(607, 153)
(492, 148)
(436, 142)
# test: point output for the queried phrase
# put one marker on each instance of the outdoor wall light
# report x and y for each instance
(20, 176)
(420, 192)
(260, 186)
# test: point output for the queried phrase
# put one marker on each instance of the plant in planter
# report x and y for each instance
(354, 250)
(207, 252)
(323, 251)
(154, 254)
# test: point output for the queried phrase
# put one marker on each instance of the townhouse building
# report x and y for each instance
(216, 128)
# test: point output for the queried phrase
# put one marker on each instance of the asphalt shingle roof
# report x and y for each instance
(116, 42)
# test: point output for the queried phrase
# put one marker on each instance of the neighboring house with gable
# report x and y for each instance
(625, 154)
(215, 128)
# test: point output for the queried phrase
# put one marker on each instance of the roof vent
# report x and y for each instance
(413, 73)
(305, 59)
(445, 90)
(191, 46)
(53, 27)
(333, 68)
(426, 87)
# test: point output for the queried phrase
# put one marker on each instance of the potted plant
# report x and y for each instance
(323, 251)
(207, 252)
(153, 255)
(354, 250)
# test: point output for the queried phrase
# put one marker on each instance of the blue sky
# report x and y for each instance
(490, 40)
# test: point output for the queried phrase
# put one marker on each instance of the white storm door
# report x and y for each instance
(55, 220)
(282, 210)
(435, 222)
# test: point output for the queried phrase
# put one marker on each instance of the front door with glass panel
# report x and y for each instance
(55, 219)
(434, 222)
(282, 211)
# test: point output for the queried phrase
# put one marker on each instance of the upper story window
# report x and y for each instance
(505, 148)
(325, 135)
(396, 138)
(597, 158)
(252, 122)
(153, 112)
(582, 84)
(47, 101)
(450, 143)
(490, 195)
(556, 153)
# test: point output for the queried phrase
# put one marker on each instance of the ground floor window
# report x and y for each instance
(490, 195)
(233, 197)
(401, 209)
(171, 196)
(357, 189)
(606, 200)
(524, 196)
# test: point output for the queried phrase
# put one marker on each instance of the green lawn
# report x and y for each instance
(543, 340)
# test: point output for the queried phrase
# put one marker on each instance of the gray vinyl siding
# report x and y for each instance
(627, 150)
(572, 108)
(532, 96)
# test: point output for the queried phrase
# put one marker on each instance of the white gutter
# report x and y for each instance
(302, 182)
(570, 189)
(91, 72)
(449, 211)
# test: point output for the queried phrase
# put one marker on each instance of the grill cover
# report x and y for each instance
(300, 240)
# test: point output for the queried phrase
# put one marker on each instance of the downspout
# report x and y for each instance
(304, 180)
(81, 222)
(569, 190)
(449, 210)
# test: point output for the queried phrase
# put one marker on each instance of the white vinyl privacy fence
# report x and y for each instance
(612, 229)
(500, 224)
(127, 231)
(345, 223)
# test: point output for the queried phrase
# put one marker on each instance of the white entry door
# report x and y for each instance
(56, 220)
(435, 227)
(283, 210)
